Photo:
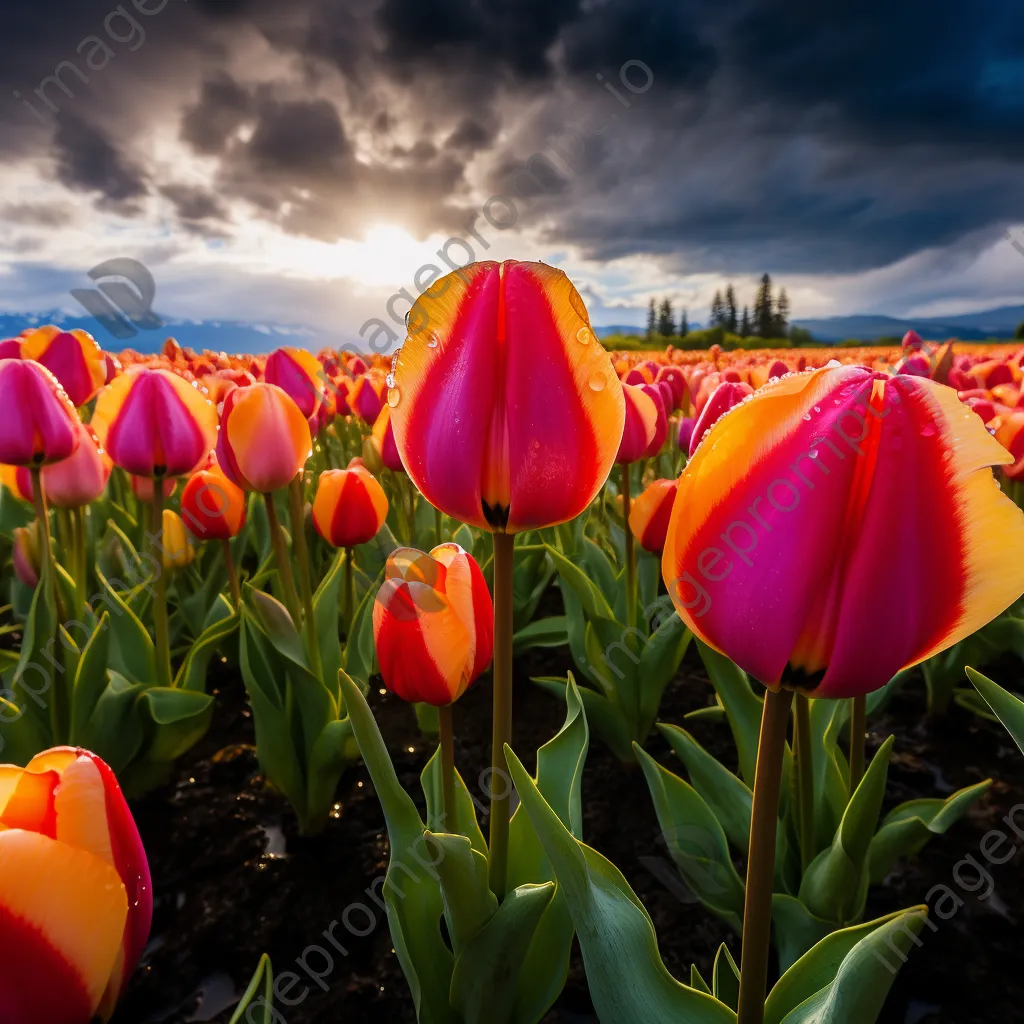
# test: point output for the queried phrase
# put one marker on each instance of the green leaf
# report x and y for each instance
(1007, 708)
(697, 982)
(326, 613)
(178, 720)
(491, 966)
(907, 828)
(90, 679)
(132, 652)
(278, 626)
(550, 632)
(411, 890)
(659, 662)
(360, 657)
(628, 981)
(468, 901)
(602, 715)
(465, 809)
(250, 1001)
(846, 977)
(696, 842)
(724, 793)
(115, 729)
(594, 603)
(192, 673)
(742, 706)
(796, 929)
(726, 978)
(835, 885)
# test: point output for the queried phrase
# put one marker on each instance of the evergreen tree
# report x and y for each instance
(717, 311)
(1020, 330)
(745, 323)
(782, 315)
(764, 309)
(666, 321)
(652, 319)
(730, 323)
(684, 325)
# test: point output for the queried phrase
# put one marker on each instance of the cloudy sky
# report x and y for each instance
(299, 161)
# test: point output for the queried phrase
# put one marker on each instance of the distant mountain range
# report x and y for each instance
(242, 336)
(217, 335)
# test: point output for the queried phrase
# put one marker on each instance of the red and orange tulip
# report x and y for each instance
(350, 507)
(806, 526)
(300, 375)
(383, 441)
(506, 409)
(1010, 434)
(212, 507)
(641, 424)
(155, 423)
(264, 439)
(366, 396)
(721, 400)
(433, 624)
(650, 513)
(39, 425)
(73, 357)
(76, 899)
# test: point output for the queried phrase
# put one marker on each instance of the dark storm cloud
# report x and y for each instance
(778, 133)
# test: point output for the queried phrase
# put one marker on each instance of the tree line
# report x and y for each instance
(768, 319)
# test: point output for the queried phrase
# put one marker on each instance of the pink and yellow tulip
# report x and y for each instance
(73, 357)
(39, 424)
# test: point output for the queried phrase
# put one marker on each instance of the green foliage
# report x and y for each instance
(1008, 708)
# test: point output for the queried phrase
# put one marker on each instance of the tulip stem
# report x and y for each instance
(805, 768)
(858, 728)
(284, 569)
(81, 542)
(229, 564)
(350, 592)
(764, 821)
(447, 738)
(48, 580)
(438, 523)
(298, 511)
(501, 782)
(630, 552)
(160, 626)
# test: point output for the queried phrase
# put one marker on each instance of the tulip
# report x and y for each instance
(673, 376)
(25, 555)
(1010, 434)
(73, 357)
(176, 549)
(917, 364)
(723, 398)
(507, 415)
(111, 368)
(212, 506)
(350, 507)
(214, 509)
(383, 441)
(366, 397)
(641, 424)
(10, 348)
(264, 439)
(661, 419)
(39, 424)
(686, 425)
(983, 407)
(912, 342)
(433, 631)
(18, 480)
(649, 516)
(300, 375)
(80, 479)
(804, 534)
(155, 423)
(76, 901)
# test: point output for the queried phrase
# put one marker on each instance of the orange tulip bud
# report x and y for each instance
(641, 425)
(76, 902)
(80, 479)
(433, 624)
(264, 439)
(506, 410)
(650, 513)
(350, 507)
(300, 375)
(212, 507)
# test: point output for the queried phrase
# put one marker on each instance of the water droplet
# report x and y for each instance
(807, 416)
(583, 335)
(598, 382)
(433, 342)
(394, 397)
(390, 380)
(817, 408)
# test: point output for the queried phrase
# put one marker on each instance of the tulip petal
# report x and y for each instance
(62, 916)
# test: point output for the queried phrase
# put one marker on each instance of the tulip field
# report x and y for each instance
(503, 679)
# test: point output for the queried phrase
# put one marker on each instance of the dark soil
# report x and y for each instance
(233, 879)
